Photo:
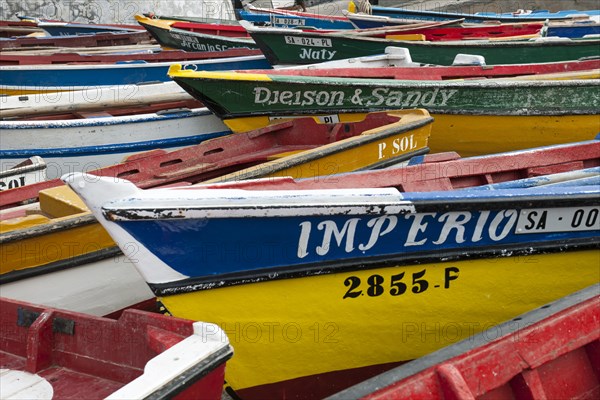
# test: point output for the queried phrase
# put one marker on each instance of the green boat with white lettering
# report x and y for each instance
(290, 46)
(171, 37)
(472, 117)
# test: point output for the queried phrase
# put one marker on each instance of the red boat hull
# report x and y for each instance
(102, 39)
(443, 171)
(161, 56)
(88, 357)
(212, 29)
(469, 32)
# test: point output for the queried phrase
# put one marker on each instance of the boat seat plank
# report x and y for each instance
(39, 343)
(282, 155)
(441, 157)
(554, 168)
(20, 211)
(96, 114)
(61, 202)
(408, 36)
(182, 172)
(270, 128)
(149, 153)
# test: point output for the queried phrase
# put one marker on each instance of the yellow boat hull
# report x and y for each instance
(472, 135)
(349, 154)
(475, 135)
(63, 228)
(292, 330)
(60, 245)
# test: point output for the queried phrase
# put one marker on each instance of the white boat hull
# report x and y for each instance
(97, 288)
(88, 144)
(29, 172)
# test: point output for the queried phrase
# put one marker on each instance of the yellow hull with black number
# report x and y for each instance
(320, 288)
(361, 319)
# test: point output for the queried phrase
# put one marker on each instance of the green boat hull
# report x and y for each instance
(192, 41)
(230, 95)
(290, 47)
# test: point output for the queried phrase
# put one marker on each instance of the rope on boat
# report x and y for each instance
(363, 6)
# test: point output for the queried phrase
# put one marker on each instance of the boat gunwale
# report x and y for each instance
(80, 260)
(120, 65)
(108, 121)
(261, 202)
(250, 77)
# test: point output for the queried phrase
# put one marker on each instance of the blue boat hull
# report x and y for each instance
(114, 74)
(465, 224)
(573, 32)
(292, 21)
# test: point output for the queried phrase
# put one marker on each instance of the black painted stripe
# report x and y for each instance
(192, 375)
(63, 264)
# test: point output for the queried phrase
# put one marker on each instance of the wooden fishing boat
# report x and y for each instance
(472, 117)
(26, 79)
(64, 28)
(444, 171)
(77, 263)
(517, 31)
(101, 39)
(438, 171)
(61, 28)
(81, 273)
(219, 29)
(288, 46)
(168, 36)
(437, 33)
(24, 173)
(53, 353)
(517, 16)
(292, 19)
(113, 100)
(325, 262)
(576, 28)
(18, 28)
(99, 139)
(554, 343)
(446, 30)
(127, 55)
(368, 21)
(104, 50)
(269, 17)
(309, 95)
(566, 29)
(74, 248)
